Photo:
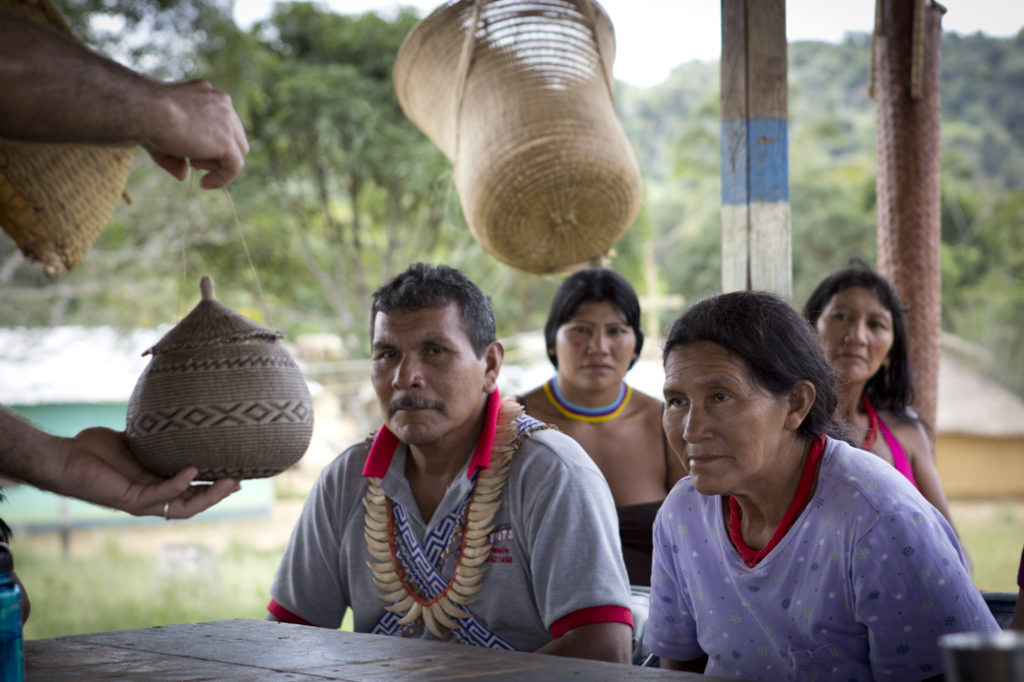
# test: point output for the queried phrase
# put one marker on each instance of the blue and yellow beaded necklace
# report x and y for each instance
(587, 414)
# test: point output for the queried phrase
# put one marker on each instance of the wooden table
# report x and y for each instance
(261, 650)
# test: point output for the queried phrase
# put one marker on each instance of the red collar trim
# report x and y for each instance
(872, 423)
(385, 443)
(751, 557)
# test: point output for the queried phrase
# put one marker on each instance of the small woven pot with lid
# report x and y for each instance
(222, 394)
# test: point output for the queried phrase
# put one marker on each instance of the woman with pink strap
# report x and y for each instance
(862, 327)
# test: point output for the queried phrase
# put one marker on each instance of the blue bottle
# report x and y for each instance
(12, 659)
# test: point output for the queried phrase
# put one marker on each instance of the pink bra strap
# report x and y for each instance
(899, 457)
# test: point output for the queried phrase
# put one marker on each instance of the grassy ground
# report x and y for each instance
(992, 533)
(120, 578)
(117, 578)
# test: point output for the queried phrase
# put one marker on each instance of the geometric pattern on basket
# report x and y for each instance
(200, 365)
(237, 472)
(223, 414)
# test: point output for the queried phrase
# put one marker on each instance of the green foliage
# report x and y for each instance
(970, 93)
(675, 130)
(341, 191)
(147, 34)
(983, 279)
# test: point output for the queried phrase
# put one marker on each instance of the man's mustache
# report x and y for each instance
(410, 402)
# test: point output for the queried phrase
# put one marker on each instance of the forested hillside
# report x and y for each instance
(674, 128)
(341, 191)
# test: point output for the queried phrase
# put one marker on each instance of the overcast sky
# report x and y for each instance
(647, 49)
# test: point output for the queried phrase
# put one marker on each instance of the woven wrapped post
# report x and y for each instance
(56, 199)
(519, 97)
(908, 146)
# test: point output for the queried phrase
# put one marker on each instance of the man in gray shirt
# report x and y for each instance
(462, 519)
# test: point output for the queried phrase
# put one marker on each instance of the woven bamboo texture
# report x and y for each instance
(519, 96)
(908, 147)
(221, 394)
(56, 199)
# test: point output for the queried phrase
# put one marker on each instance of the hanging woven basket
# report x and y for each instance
(520, 97)
(56, 199)
(221, 394)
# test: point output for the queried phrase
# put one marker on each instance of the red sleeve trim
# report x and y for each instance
(589, 616)
(284, 615)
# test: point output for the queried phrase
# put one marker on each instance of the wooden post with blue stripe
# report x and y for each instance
(756, 242)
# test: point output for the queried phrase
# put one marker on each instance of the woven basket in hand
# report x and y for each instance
(519, 96)
(221, 394)
(56, 199)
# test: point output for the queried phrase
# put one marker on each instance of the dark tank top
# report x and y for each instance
(636, 532)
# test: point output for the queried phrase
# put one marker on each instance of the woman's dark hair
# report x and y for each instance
(892, 387)
(777, 346)
(592, 285)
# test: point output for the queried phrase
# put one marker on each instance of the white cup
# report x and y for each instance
(983, 657)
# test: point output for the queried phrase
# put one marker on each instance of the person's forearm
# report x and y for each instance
(598, 641)
(66, 93)
(1017, 621)
(48, 70)
(697, 665)
(26, 453)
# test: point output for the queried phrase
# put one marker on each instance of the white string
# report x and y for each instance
(245, 248)
(248, 257)
(184, 233)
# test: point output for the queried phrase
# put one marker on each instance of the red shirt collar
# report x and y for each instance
(751, 557)
(385, 443)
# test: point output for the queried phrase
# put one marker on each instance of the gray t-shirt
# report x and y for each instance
(555, 546)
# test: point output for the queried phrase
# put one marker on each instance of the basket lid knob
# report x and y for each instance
(206, 288)
(211, 323)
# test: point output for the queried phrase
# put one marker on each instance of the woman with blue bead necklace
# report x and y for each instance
(593, 337)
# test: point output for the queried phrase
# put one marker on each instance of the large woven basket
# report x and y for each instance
(520, 97)
(221, 394)
(56, 199)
